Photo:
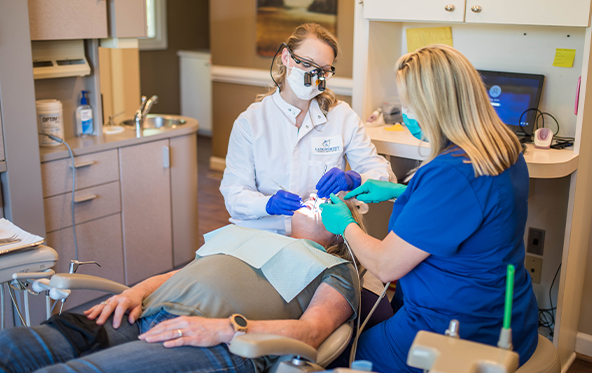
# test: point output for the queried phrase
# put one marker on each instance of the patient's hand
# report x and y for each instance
(190, 331)
(128, 301)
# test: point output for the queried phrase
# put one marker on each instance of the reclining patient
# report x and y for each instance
(179, 321)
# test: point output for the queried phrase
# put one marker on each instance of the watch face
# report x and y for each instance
(241, 321)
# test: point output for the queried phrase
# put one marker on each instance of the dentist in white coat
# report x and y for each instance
(296, 139)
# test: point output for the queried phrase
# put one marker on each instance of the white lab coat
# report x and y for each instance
(266, 148)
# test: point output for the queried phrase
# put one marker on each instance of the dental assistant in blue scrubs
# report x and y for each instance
(458, 223)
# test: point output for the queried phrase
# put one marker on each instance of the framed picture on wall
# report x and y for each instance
(276, 19)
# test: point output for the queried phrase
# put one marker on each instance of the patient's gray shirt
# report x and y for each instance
(219, 285)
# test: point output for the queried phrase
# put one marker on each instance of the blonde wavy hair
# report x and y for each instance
(338, 246)
(447, 94)
(327, 98)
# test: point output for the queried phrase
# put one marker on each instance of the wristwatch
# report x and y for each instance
(240, 324)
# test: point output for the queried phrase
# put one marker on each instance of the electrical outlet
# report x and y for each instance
(536, 241)
(534, 266)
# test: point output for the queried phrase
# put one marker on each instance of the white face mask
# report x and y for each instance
(296, 82)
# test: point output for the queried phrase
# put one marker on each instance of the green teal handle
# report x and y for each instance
(509, 297)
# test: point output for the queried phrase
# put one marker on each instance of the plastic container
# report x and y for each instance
(362, 365)
(49, 121)
(84, 118)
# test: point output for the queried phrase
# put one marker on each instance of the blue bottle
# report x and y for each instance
(84, 118)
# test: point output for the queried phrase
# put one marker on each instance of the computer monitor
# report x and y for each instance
(511, 94)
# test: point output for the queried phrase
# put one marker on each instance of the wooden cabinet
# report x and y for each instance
(99, 240)
(525, 12)
(67, 19)
(146, 201)
(127, 18)
(136, 210)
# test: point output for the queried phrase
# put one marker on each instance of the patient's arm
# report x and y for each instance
(327, 310)
(128, 301)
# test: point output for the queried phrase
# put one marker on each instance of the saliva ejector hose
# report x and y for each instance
(505, 338)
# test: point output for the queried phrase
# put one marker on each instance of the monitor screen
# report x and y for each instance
(511, 94)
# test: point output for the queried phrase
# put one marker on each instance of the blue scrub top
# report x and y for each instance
(473, 227)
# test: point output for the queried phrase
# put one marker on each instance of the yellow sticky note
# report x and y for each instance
(395, 127)
(564, 57)
(420, 37)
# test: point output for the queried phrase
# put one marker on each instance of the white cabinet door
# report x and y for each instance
(529, 12)
(424, 10)
(146, 209)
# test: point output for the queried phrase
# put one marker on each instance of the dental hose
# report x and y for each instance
(72, 204)
(359, 328)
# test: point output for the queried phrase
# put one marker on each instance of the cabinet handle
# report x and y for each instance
(449, 8)
(90, 197)
(166, 157)
(476, 9)
(84, 164)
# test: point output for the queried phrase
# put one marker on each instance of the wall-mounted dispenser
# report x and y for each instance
(58, 59)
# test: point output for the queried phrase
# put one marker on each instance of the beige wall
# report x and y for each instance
(188, 29)
(585, 325)
(233, 30)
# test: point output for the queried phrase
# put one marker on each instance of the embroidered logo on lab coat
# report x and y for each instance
(327, 145)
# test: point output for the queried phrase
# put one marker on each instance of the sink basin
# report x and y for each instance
(158, 121)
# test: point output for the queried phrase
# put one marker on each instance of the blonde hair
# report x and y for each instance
(327, 98)
(447, 95)
(338, 246)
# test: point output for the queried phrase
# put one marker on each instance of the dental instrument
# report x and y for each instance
(280, 186)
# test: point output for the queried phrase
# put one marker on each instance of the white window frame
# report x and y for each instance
(160, 41)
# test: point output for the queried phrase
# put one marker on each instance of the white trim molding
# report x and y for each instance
(217, 163)
(160, 41)
(261, 78)
(584, 344)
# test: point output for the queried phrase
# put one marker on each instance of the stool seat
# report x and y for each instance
(544, 360)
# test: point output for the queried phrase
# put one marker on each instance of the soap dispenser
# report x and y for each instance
(84, 118)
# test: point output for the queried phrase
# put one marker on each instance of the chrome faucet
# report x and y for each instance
(142, 112)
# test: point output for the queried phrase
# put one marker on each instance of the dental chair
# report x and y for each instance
(296, 356)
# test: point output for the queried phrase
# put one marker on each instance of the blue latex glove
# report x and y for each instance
(336, 216)
(335, 180)
(283, 203)
(374, 191)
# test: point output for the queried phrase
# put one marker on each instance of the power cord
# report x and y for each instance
(561, 141)
(547, 315)
(359, 328)
(61, 141)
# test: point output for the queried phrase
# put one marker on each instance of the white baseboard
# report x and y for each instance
(217, 163)
(570, 361)
(584, 344)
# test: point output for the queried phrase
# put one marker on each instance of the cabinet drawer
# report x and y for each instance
(92, 169)
(91, 203)
(100, 240)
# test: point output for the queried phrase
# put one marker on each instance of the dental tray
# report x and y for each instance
(20, 248)
(25, 241)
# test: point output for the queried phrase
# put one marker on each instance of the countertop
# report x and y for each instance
(542, 163)
(93, 144)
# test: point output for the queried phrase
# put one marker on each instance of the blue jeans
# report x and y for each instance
(44, 349)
